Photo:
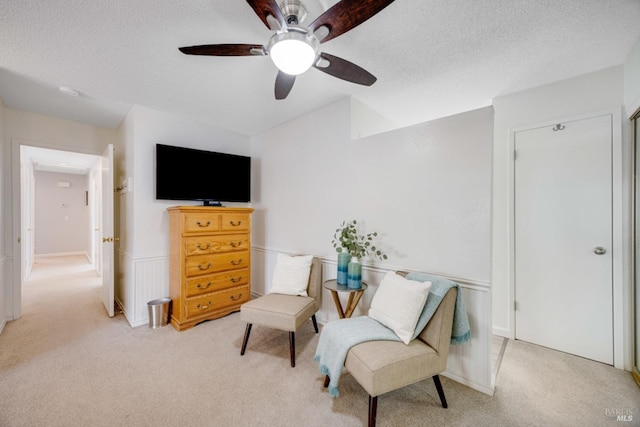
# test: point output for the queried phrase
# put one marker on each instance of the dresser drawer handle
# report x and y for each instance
(202, 247)
(238, 262)
(236, 245)
(235, 298)
(205, 225)
(236, 279)
(204, 307)
(206, 267)
(203, 287)
(235, 224)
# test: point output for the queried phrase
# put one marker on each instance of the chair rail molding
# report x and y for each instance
(468, 364)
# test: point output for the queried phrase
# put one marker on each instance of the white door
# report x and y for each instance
(28, 220)
(563, 237)
(106, 228)
(636, 304)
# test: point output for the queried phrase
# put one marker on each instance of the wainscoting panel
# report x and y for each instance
(259, 266)
(468, 364)
(145, 279)
(124, 286)
(151, 282)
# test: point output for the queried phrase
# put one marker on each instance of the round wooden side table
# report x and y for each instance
(354, 296)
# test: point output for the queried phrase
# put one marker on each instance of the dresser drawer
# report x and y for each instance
(216, 300)
(201, 222)
(215, 244)
(215, 282)
(198, 265)
(235, 222)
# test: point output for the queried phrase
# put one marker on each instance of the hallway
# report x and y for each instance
(60, 291)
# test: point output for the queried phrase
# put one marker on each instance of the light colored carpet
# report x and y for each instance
(65, 363)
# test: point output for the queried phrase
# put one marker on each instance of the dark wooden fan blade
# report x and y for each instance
(266, 8)
(347, 14)
(345, 70)
(284, 83)
(224, 50)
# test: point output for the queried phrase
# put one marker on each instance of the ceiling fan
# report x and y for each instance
(293, 48)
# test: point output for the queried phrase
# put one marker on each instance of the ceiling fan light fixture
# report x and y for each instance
(293, 52)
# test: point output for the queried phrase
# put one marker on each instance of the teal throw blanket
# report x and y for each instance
(460, 332)
(338, 336)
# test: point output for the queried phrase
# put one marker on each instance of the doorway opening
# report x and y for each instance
(58, 209)
(67, 223)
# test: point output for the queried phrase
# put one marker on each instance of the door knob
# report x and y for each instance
(599, 250)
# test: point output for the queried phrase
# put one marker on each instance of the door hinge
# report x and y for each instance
(515, 306)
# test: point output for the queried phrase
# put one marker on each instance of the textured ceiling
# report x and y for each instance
(432, 58)
(47, 160)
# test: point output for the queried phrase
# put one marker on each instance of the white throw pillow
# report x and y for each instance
(398, 303)
(291, 275)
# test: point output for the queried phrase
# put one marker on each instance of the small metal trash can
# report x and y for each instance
(159, 312)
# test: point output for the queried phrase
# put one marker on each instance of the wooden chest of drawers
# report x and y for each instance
(209, 262)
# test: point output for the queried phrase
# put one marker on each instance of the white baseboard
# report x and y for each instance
(138, 323)
(502, 332)
(133, 324)
(479, 387)
(59, 254)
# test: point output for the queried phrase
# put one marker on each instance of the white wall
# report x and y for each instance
(425, 189)
(62, 216)
(123, 167)
(601, 91)
(51, 132)
(632, 80)
(5, 279)
(365, 121)
(144, 226)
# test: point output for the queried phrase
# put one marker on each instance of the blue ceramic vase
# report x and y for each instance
(343, 263)
(354, 274)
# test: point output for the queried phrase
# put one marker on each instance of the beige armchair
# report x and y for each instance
(383, 366)
(285, 312)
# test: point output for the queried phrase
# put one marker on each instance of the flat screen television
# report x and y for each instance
(198, 175)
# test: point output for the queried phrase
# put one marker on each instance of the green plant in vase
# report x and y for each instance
(353, 245)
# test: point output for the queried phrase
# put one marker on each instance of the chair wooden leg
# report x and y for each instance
(373, 408)
(315, 323)
(326, 381)
(292, 348)
(247, 331)
(436, 380)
